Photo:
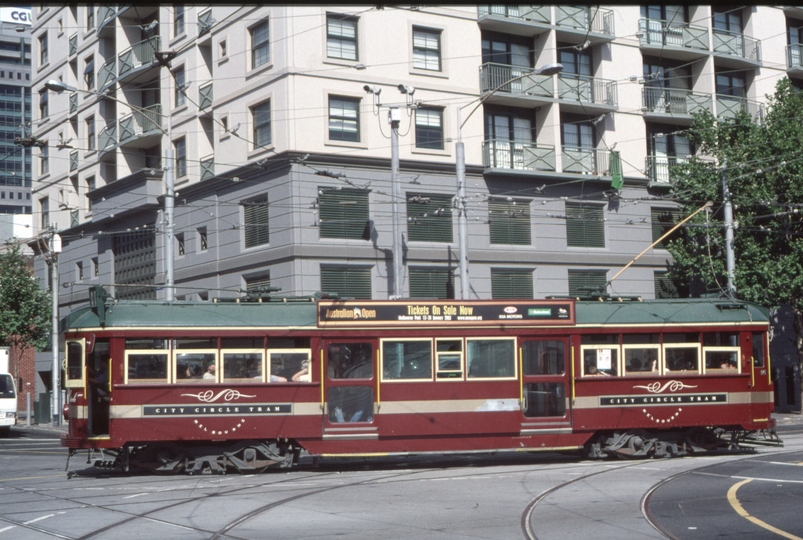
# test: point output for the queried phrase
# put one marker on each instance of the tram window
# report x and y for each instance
(288, 343)
(680, 358)
(543, 357)
(75, 364)
(491, 358)
(350, 361)
(289, 365)
(242, 343)
(600, 361)
(406, 359)
(682, 338)
(196, 367)
(195, 343)
(544, 399)
(721, 339)
(450, 358)
(640, 360)
(758, 349)
(242, 366)
(145, 344)
(350, 404)
(143, 368)
(721, 360)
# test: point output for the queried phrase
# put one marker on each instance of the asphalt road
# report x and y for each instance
(507, 495)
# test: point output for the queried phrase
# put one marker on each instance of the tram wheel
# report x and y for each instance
(254, 457)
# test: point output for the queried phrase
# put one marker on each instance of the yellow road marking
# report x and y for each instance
(32, 477)
(734, 502)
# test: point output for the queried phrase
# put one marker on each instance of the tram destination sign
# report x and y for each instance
(444, 312)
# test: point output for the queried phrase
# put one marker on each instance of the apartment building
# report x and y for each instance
(282, 159)
(15, 116)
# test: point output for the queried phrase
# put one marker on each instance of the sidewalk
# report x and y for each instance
(788, 419)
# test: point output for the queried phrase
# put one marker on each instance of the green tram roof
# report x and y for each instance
(296, 314)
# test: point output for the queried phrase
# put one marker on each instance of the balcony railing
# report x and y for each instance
(73, 44)
(539, 14)
(107, 74)
(674, 101)
(73, 102)
(107, 137)
(493, 76)
(74, 160)
(205, 96)
(140, 122)
(657, 167)
(736, 44)
(208, 168)
(139, 54)
(524, 156)
(587, 89)
(794, 56)
(585, 18)
(728, 106)
(586, 161)
(105, 14)
(665, 33)
(205, 21)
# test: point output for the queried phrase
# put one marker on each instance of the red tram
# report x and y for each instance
(210, 386)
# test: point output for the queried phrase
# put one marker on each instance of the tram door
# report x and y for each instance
(350, 384)
(544, 384)
(99, 389)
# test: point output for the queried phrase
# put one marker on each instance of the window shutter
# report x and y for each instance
(511, 283)
(429, 218)
(431, 283)
(347, 282)
(343, 213)
(585, 226)
(662, 219)
(510, 222)
(581, 280)
(664, 288)
(257, 230)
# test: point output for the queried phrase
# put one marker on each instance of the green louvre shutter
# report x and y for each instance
(431, 283)
(511, 283)
(257, 284)
(585, 226)
(663, 219)
(346, 281)
(581, 280)
(429, 218)
(664, 288)
(256, 222)
(343, 213)
(509, 222)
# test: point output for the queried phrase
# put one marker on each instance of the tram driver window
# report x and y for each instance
(403, 359)
(491, 358)
(146, 361)
(758, 349)
(75, 364)
(545, 357)
(350, 361)
(721, 351)
(449, 358)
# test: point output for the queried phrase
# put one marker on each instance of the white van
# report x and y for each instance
(8, 396)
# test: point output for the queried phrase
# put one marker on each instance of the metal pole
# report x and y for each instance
(54, 289)
(462, 218)
(730, 256)
(27, 409)
(168, 217)
(393, 119)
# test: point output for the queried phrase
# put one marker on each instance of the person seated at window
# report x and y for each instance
(193, 371)
(594, 372)
(210, 372)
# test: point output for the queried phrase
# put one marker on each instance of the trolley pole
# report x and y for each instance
(730, 257)
(55, 249)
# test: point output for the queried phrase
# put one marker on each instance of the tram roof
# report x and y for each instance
(304, 314)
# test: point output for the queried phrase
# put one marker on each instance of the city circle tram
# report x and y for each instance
(246, 385)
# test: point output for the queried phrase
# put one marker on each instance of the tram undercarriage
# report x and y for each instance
(640, 444)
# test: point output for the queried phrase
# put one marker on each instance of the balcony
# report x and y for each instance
(586, 161)
(794, 59)
(107, 138)
(73, 44)
(657, 167)
(594, 93)
(107, 74)
(139, 55)
(140, 123)
(578, 23)
(520, 20)
(205, 96)
(207, 168)
(736, 50)
(497, 77)
(205, 21)
(672, 40)
(74, 160)
(73, 102)
(106, 14)
(522, 156)
(673, 103)
(729, 106)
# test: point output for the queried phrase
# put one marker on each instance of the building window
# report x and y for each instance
(90, 133)
(179, 78)
(261, 118)
(44, 111)
(44, 205)
(431, 283)
(90, 17)
(585, 282)
(90, 186)
(79, 270)
(89, 73)
(344, 213)
(260, 284)
(344, 119)
(509, 138)
(95, 267)
(260, 45)
(223, 49)
(426, 49)
(44, 160)
(662, 220)
(256, 221)
(346, 281)
(181, 157)
(341, 37)
(203, 241)
(506, 283)
(664, 288)
(180, 244)
(585, 226)
(429, 128)
(509, 221)
(43, 51)
(178, 20)
(429, 218)
(731, 84)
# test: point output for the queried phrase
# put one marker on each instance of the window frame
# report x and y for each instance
(91, 133)
(460, 372)
(526, 275)
(331, 209)
(427, 145)
(180, 161)
(588, 229)
(436, 225)
(615, 364)
(260, 125)
(179, 80)
(351, 274)
(260, 235)
(507, 224)
(679, 345)
(514, 359)
(382, 342)
(179, 20)
(422, 49)
(342, 135)
(340, 39)
(260, 51)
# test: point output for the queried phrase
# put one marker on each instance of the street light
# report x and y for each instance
(169, 176)
(460, 169)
